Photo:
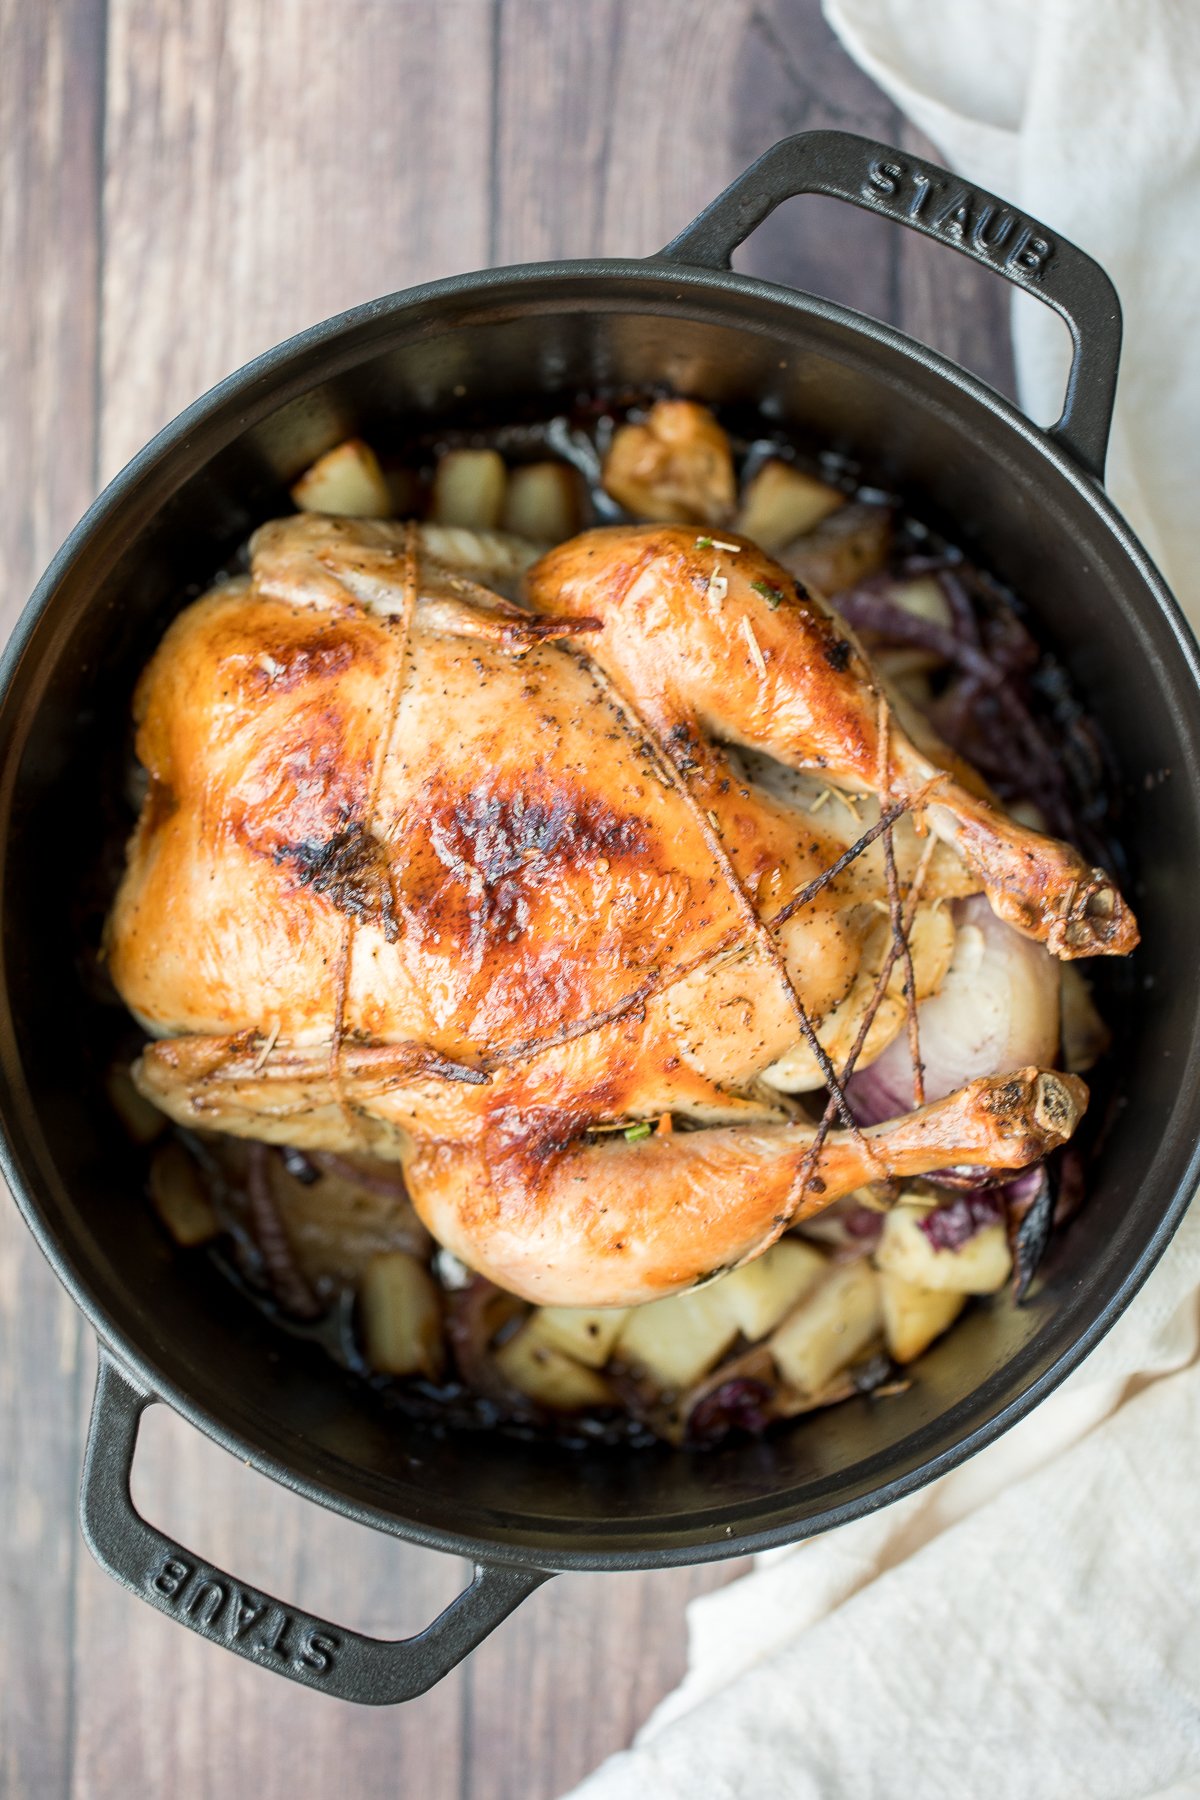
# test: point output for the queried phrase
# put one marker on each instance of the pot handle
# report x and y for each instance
(255, 1625)
(929, 199)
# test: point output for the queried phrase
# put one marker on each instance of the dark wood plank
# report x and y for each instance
(573, 1675)
(613, 123)
(270, 165)
(50, 61)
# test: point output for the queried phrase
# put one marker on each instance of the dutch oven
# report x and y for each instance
(518, 342)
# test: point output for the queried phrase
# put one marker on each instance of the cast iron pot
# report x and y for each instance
(501, 343)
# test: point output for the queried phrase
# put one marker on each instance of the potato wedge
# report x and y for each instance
(468, 489)
(587, 1335)
(905, 675)
(781, 503)
(914, 1316)
(906, 666)
(1028, 812)
(829, 1328)
(922, 598)
(844, 549)
(543, 502)
(676, 466)
(347, 481)
(764, 1291)
(180, 1196)
(400, 1313)
(140, 1117)
(1085, 1036)
(678, 1339)
(549, 1376)
(981, 1266)
(338, 1216)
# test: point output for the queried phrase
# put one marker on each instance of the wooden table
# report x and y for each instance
(180, 186)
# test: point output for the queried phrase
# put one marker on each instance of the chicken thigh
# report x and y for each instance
(489, 891)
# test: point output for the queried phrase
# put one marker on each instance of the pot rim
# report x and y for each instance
(260, 388)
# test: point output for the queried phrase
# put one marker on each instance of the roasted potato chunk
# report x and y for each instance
(180, 1196)
(678, 1339)
(1085, 1036)
(781, 503)
(846, 548)
(676, 466)
(539, 1369)
(401, 1314)
(913, 1316)
(543, 502)
(140, 1117)
(469, 487)
(586, 1334)
(981, 1266)
(829, 1328)
(347, 481)
(758, 1295)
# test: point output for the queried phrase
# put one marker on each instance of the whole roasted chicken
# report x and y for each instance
(550, 902)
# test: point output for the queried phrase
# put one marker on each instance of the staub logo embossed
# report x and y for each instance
(959, 214)
(242, 1619)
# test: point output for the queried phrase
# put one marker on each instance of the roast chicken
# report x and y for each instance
(533, 897)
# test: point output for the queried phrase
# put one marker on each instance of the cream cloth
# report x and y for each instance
(1028, 1626)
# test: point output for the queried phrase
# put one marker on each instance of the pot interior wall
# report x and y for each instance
(503, 350)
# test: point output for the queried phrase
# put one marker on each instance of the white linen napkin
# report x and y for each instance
(1028, 1626)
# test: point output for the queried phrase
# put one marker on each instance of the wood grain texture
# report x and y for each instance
(793, 75)
(269, 165)
(613, 123)
(790, 76)
(49, 135)
(265, 165)
(50, 123)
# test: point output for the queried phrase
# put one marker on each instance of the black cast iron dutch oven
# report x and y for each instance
(1029, 503)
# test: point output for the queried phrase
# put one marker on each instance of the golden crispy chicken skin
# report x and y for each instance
(768, 666)
(424, 873)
